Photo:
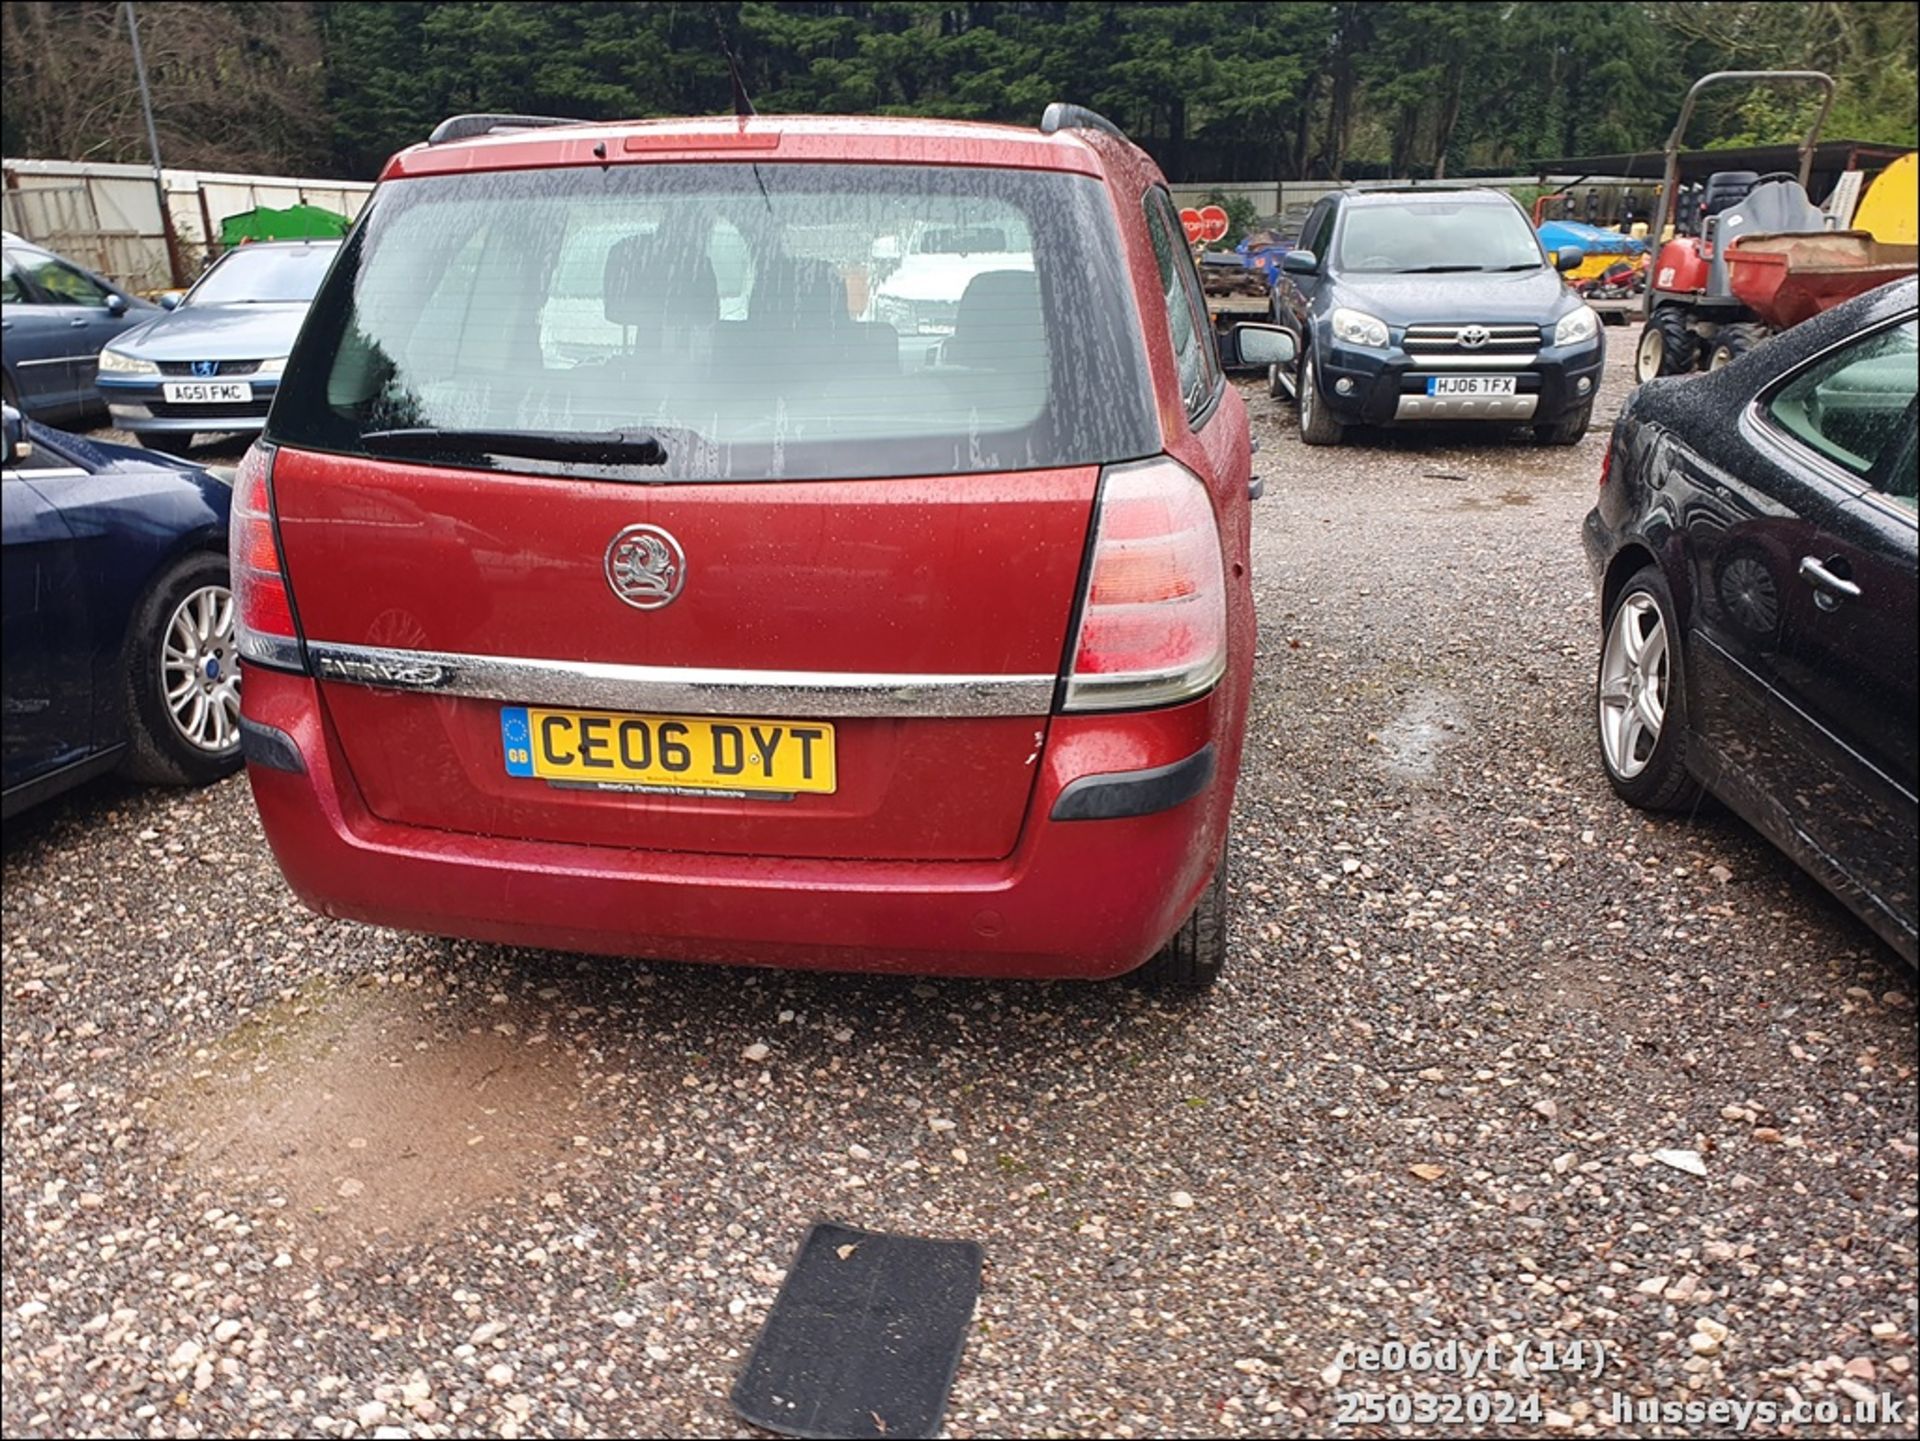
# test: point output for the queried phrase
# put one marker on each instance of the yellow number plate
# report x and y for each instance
(669, 753)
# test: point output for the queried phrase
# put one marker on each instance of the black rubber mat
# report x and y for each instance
(864, 1336)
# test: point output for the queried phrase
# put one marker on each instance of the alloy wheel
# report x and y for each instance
(1634, 676)
(200, 670)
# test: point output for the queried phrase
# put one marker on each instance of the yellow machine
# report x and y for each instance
(1887, 210)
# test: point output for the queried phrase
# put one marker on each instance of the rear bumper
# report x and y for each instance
(1078, 898)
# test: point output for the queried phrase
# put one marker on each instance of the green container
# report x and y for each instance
(296, 222)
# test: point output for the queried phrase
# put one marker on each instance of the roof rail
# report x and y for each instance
(1062, 116)
(465, 127)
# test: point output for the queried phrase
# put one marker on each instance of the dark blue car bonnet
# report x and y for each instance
(1524, 296)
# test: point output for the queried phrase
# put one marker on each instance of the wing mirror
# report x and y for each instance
(1254, 344)
(1300, 262)
(170, 299)
(1568, 257)
(116, 304)
(17, 446)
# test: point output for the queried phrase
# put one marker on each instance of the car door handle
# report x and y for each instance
(1831, 588)
(1256, 487)
(80, 324)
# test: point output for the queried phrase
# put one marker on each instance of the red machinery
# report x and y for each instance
(1785, 279)
(1761, 258)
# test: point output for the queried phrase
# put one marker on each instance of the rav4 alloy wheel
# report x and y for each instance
(1317, 427)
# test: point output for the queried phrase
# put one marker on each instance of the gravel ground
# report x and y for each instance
(267, 1173)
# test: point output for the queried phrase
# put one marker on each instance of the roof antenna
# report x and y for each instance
(742, 107)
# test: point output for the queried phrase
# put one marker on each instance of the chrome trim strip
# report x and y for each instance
(1494, 347)
(804, 695)
(1134, 690)
(278, 652)
(51, 472)
(1486, 360)
(1506, 329)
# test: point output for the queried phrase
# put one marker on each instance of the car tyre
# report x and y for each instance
(1666, 346)
(1733, 341)
(184, 621)
(1317, 426)
(1569, 431)
(1640, 698)
(1191, 962)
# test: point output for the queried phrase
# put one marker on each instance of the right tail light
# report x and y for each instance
(1153, 616)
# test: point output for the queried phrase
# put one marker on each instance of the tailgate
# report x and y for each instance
(906, 632)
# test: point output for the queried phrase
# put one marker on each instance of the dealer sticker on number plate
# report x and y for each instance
(1470, 385)
(668, 755)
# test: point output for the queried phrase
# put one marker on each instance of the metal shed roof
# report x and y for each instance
(1830, 157)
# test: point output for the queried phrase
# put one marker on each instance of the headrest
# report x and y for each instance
(998, 320)
(650, 282)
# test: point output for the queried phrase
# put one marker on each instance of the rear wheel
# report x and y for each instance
(1317, 427)
(1734, 341)
(1192, 961)
(1667, 347)
(1640, 698)
(183, 677)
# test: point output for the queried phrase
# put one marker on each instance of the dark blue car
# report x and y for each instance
(118, 617)
(1427, 307)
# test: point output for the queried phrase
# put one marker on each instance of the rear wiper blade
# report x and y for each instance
(595, 447)
(1439, 269)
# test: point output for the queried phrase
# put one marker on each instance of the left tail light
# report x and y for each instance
(263, 606)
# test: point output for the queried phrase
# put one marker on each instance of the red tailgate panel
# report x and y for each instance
(972, 575)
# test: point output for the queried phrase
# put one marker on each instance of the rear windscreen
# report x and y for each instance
(773, 320)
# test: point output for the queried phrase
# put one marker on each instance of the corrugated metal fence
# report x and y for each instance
(107, 217)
